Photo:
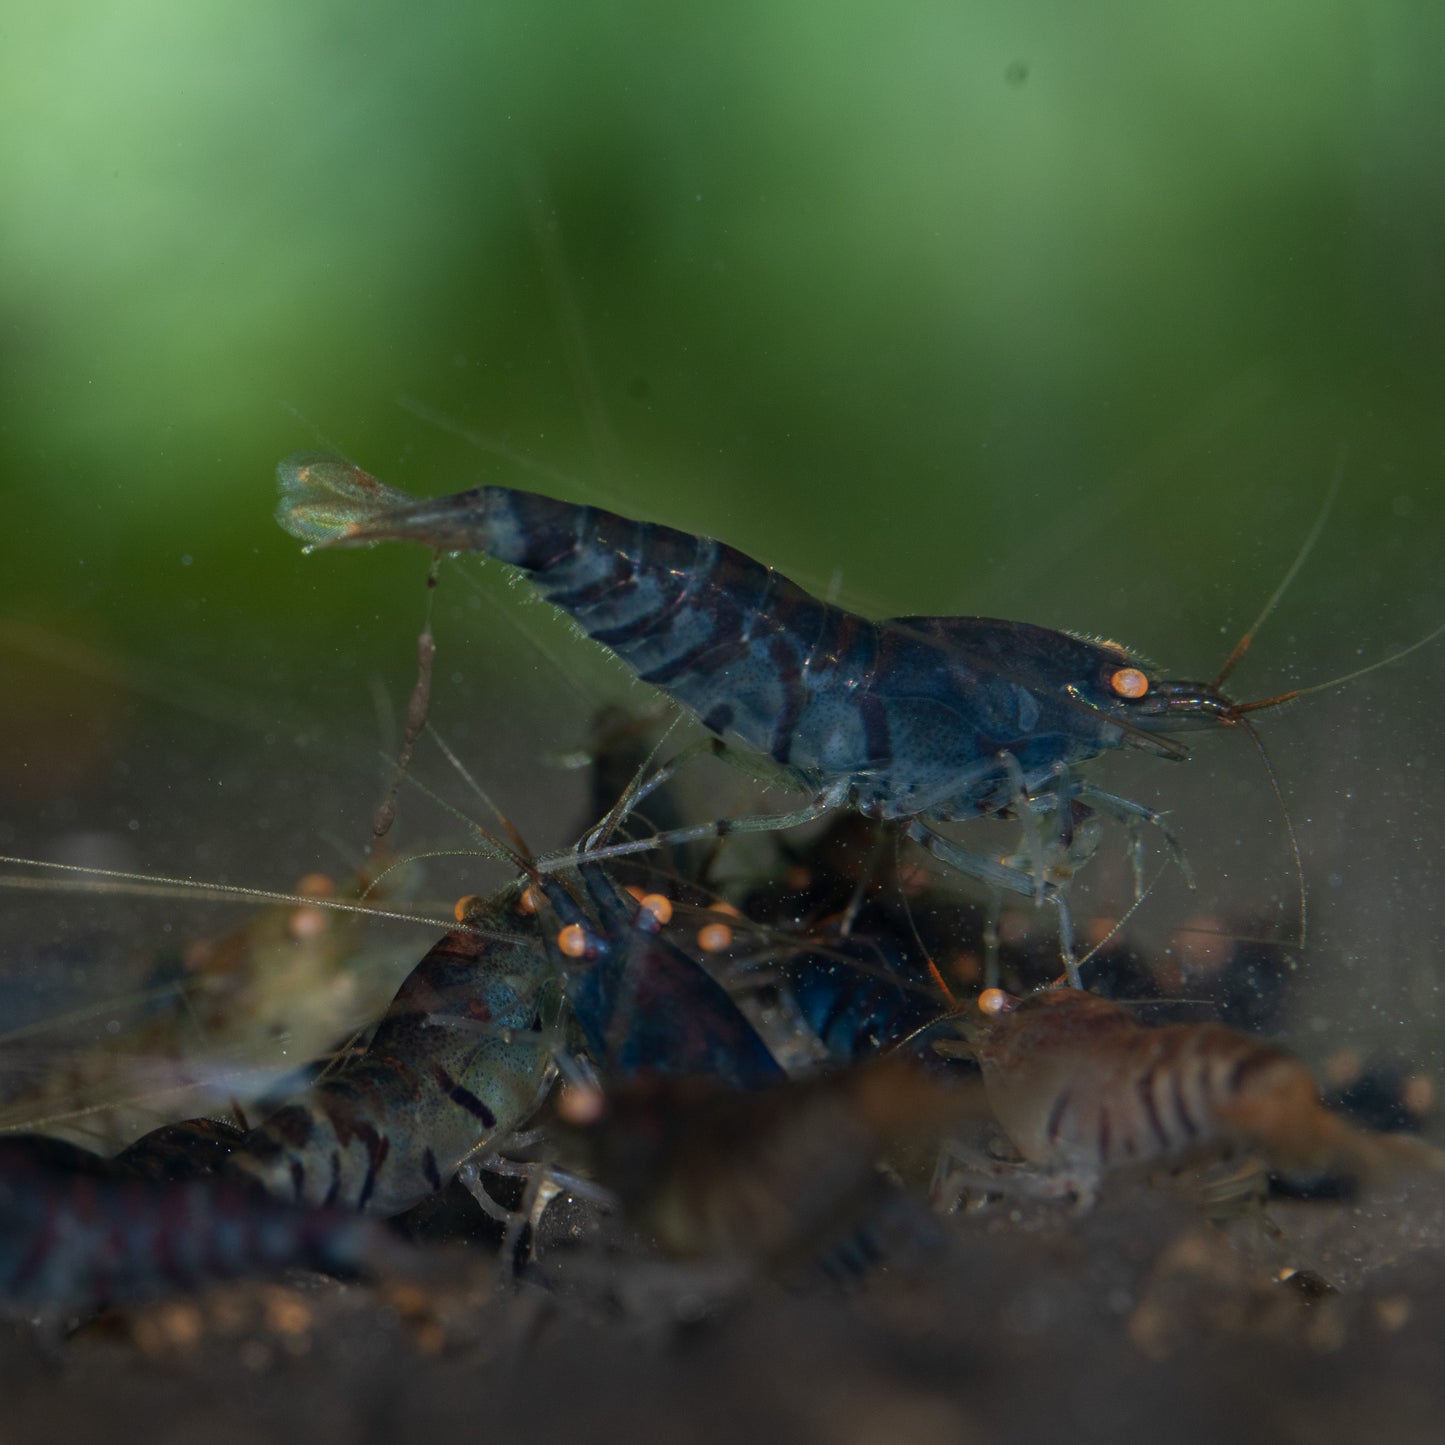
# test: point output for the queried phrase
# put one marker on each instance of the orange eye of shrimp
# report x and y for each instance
(1129, 682)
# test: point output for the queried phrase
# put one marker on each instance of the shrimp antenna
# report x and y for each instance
(1242, 646)
(1299, 871)
(489, 845)
(483, 442)
(933, 970)
(519, 844)
(647, 779)
(544, 219)
(1340, 681)
(416, 714)
(1109, 937)
(313, 427)
(153, 885)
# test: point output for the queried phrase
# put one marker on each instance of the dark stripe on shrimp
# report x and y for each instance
(335, 1189)
(1255, 1061)
(620, 635)
(1151, 1108)
(463, 1096)
(1181, 1109)
(717, 655)
(877, 737)
(781, 653)
(1056, 1115)
(545, 531)
(720, 719)
(674, 667)
(378, 1147)
(590, 594)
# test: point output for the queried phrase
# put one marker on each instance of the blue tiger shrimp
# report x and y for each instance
(79, 1233)
(461, 1059)
(919, 720)
(465, 1054)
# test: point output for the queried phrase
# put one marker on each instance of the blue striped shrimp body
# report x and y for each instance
(927, 720)
(854, 998)
(460, 1060)
(77, 1233)
(931, 718)
(642, 1004)
(865, 929)
(189, 1149)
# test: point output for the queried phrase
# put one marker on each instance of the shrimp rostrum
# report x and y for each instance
(1085, 1091)
(925, 720)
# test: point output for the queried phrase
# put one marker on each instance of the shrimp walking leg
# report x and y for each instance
(1136, 816)
(1003, 877)
(718, 828)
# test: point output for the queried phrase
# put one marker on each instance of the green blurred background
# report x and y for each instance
(1038, 310)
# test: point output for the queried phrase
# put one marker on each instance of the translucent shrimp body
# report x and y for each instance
(458, 1062)
(938, 718)
(1083, 1089)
